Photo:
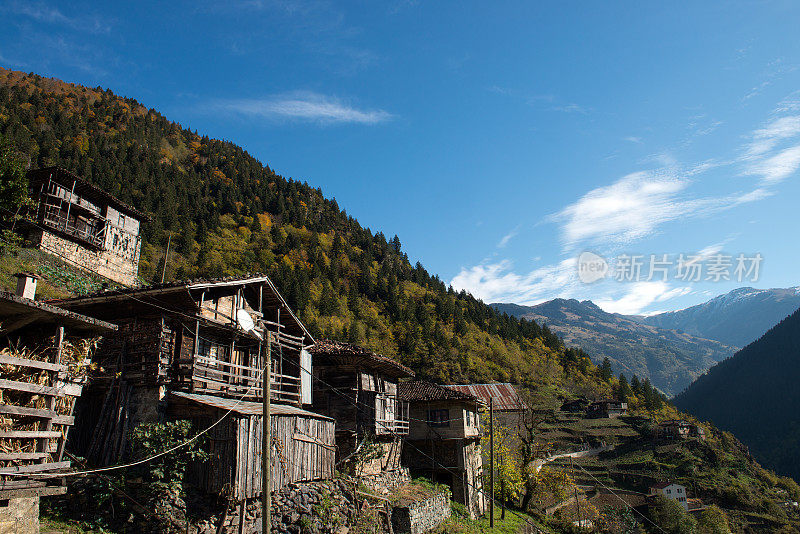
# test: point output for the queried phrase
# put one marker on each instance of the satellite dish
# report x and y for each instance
(246, 323)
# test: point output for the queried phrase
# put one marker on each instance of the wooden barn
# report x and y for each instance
(44, 359)
(304, 441)
(444, 441)
(184, 336)
(358, 388)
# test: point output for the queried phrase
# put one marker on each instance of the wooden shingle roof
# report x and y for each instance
(422, 390)
(337, 352)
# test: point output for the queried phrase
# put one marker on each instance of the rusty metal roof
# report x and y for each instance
(505, 397)
(247, 408)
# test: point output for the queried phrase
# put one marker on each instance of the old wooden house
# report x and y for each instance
(358, 388)
(197, 350)
(444, 440)
(507, 404)
(84, 224)
(44, 353)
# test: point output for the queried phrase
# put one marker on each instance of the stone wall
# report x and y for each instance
(386, 482)
(328, 507)
(421, 516)
(120, 268)
(19, 516)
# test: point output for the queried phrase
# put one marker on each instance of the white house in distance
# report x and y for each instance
(670, 490)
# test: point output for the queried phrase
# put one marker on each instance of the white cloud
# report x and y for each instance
(766, 138)
(633, 139)
(778, 167)
(641, 295)
(628, 209)
(305, 106)
(496, 282)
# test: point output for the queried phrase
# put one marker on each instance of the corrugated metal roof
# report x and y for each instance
(247, 408)
(506, 398)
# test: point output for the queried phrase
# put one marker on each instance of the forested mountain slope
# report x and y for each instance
(229, 214)
(736, 318)
(755, 395)
(670, 359)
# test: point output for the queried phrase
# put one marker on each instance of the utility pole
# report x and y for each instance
(166, 257)
(266, 442)
(491, 460)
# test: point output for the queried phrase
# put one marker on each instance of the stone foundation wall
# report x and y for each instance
(421, 516)
(105, 262)
(19, 516)
(328, 507)
(386, 482)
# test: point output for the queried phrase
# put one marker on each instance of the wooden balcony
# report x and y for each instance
(215, 377)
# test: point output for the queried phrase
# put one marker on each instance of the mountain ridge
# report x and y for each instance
(671, 359)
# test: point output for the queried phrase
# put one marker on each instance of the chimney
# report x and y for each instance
(26, 285)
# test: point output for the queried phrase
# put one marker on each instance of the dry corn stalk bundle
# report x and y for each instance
(75, 355)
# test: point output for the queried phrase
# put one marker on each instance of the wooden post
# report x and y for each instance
(491, 461)
(266, 444)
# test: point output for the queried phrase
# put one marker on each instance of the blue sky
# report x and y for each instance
(498, 140)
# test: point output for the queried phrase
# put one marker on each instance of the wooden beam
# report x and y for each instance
(73, 390)
(24, 362)
(14, 456)
(29, 434)
(42, 491)
(36, 468)
(37, 412)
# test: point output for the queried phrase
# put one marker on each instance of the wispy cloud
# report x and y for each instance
(305, 106)
(780, 166)
(48, 14)
(571, 108)
(508, 237)
(633, 139)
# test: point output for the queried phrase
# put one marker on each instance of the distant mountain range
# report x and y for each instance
(669, 358)
(755, 394)
(671, 348)
(735, 318)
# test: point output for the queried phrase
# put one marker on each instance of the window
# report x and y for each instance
(439, 418)
(669, 491)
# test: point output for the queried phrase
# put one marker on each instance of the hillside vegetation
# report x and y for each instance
(755, 395)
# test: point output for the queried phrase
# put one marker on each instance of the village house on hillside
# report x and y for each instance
(444, 441)
(679, 429)
(358, 388)
(607, 408)
(83, 225)
(196, 350)
(672, 491)
(44, 353)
